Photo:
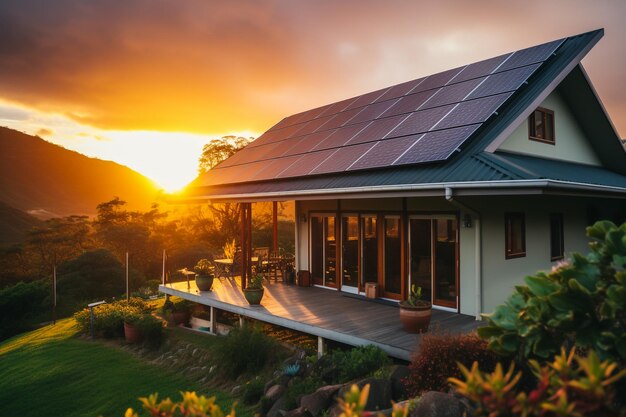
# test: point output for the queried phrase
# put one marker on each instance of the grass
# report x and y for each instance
(51, 372)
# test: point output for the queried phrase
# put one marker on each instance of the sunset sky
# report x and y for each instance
(147, 82)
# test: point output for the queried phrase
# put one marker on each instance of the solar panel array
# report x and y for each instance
(424, 120)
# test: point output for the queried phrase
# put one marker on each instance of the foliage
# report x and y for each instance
(253, 391)
(359, 361)
(564, 388)
(92, 275)
(354, 402)
(299, 387)
(581, 303)
(203, 267)
(436, 359)
(220, 149)
(151, 329)
(245, 350)
(176, 305)
(230, 248)
(109, 318)
(415, 297)
(50, 372)
(21, 305)
(255, 282)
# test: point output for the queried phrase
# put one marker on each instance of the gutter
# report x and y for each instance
(477, 248)
(435, 188)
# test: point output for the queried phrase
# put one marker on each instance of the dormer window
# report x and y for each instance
(541, 126)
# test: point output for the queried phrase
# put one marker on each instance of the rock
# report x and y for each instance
(334, 410)
(275, 391)
(438, 404)
(380, 393)
(389, 411)
(398, 387)
(298, 412)
(269, 384)
(320, 400)
(277, 407)
(236, 390)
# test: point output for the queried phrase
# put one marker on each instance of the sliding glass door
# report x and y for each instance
(350, 253)
(392, 251)
(323, 250)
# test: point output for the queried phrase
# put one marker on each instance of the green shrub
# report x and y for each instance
(21, 305)
(245, 350)
(359, 362)
(437, 357)
(300, 387)
(570, 385)
(253, 391)
(109, 318)
(151, 329)
(582, 303)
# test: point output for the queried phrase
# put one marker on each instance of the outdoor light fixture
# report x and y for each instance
(467, 221)
(91, 318)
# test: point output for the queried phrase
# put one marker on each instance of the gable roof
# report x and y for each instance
(433, 130)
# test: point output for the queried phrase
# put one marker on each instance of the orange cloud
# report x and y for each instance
(207, 66)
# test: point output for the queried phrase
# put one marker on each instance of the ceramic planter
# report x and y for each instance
(415, 319)
(204, 282)
(253, 295)
(132, 334)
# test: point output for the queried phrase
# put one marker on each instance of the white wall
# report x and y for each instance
(570, 141)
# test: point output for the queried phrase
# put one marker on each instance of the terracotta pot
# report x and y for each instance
(180, 317)
(415, 319)
(253, 295)
(132, 333)
(204, 282)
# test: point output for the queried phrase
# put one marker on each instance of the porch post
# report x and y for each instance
(242, 208)
(404, 258)
(213, 327)
(249, 242)
(275, 226)
(320, 347)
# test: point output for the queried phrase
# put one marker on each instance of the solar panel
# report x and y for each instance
(437, 80)
(337, 107)
(384, 153)
(420, 121)
(409, 103)
(531, 55)
(377, 130)
(312, 126)
(340, 119)
(452, 93)
(473, 111)
(340, 136)
(480, 69)
(305, 164)
(275, 167)
(305, 144)
(504, 81)
(366, 99)
(372, 111)
(436, 146)
(342, 158)
(400, 90)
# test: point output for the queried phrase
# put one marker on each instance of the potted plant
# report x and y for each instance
(415, 313)
(176, 312)
(132, 330)
(254, 291)
(204, 275)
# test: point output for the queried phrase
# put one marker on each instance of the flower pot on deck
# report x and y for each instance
(204, 282)
(415, 318)
(253, 295)
(132, 334)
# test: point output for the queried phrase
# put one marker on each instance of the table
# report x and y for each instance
(224, 267)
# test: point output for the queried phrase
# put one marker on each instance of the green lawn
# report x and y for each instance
(50, 372)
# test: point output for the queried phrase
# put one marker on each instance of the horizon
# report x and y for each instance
(148, 89)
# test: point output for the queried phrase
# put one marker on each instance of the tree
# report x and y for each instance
(218, 150)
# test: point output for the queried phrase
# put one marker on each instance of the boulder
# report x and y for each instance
(275, 392)
(320, 400)
(398, 387)
(298, 412)
(389, 411)
(380, 393)
(277, 407)
(438, 404)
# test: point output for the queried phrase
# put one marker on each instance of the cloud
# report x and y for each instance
(43, 132)
(207, 66)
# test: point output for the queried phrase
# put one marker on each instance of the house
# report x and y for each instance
(461, 182)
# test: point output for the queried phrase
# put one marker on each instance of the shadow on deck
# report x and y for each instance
(328, 314)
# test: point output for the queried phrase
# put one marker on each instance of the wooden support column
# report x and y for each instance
(338, 246)
(243, 209)
(249, 242)
(321, 349)
(275, 226)
(404, 256)
(213, 327)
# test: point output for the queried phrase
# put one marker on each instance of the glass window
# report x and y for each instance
(350, 250)
(515, 235)
(541, 126)
(369, 251)
(556, 236)
(393, 279)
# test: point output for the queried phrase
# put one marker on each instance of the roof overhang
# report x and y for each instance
(482, 188)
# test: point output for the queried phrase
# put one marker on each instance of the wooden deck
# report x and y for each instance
(324, 313)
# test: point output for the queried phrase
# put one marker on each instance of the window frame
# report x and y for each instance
(531, 126)
(509, 235)
(561, 238)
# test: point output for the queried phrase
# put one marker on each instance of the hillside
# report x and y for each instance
(46, 180)
(15, 224)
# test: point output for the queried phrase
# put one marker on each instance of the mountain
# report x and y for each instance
(15, 224)
(46, 180)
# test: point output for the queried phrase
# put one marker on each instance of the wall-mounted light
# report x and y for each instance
(467, 221)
